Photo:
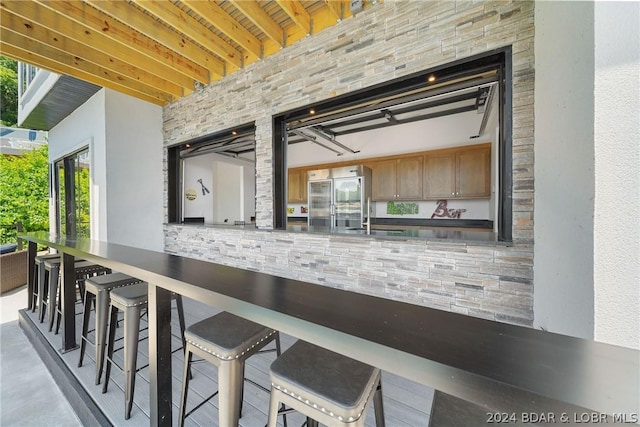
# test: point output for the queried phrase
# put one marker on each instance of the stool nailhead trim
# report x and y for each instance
(130, 305)
(118, 286)
(326, 411)
(236, 356)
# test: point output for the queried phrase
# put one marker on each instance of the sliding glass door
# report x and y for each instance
(73, 188)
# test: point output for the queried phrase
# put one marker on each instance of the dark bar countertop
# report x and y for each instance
(498, 366)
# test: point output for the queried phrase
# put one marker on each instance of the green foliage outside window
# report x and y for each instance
(8, 91)
(24, 193)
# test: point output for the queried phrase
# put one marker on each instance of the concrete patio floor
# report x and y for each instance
(28, 394)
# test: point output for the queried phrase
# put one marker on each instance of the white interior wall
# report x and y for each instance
(134, 152)
(249, 191)
(85, 126)
(228, 199)
(198, 205)
(617, 177)
(201, 167)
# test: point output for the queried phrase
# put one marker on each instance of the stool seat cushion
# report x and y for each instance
(107, 282)
(227, 336)
(332, 383)
(83, 267)
(129, 296)
(55, 262)
(41, 258)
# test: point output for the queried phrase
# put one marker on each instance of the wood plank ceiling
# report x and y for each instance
(157, 51)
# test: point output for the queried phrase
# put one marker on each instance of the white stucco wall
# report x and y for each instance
(85, 126)
(564, 163)
(587, 163)
(617, 178)
(124, 136)
(134, 171)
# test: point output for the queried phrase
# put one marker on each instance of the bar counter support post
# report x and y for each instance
(31, 274)
(68, 302)
(159, 307)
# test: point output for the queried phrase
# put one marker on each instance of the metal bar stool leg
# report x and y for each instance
(35, 286)
(230, 384)
(102, 315)
(178, 299)
(378, 406)
(131, 335)
(43, 288)
(113, 320)
(186, 376)
(85, 325)
(54, 286)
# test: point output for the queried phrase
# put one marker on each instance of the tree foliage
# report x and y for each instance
(24, 192)
(8, 91)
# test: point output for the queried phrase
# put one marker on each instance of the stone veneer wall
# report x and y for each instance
(389, 40)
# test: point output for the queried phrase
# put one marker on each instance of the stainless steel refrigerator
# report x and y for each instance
(338, 197)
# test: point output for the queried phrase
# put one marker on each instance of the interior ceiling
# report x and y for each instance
(157, 51)
(473, 93)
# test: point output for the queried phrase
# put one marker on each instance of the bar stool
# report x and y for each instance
(83, 270)
(41, 285)
(97, 289)
(52, 267)
(131, 300)
(325, 386)
(226, 341)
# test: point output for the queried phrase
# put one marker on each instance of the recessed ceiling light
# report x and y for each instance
(431, 78)
(188, 145)
(234, 133)
(312, 111)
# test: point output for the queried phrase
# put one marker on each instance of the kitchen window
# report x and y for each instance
(438, 143)
(214, 178)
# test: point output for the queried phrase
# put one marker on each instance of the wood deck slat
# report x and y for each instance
(406, 403)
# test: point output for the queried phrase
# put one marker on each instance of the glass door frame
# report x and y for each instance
(68, 163)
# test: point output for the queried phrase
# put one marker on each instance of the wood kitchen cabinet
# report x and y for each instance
(297, 185)
(397, 179)
(463, 173)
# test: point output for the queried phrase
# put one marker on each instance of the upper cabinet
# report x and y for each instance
(397, 179)
(451, 173)
(473, 173)
(463, 173)
(440, 175)
(297, 185)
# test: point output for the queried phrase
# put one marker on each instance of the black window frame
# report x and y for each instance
(500, 59)
(68, 163)
(174, 165)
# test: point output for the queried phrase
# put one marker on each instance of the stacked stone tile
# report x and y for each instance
(387, 41)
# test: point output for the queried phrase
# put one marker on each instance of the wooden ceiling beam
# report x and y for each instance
(297, 13)
(261, 19)
(335, 7)
(43, 60)
(33, 30)
(214, 14)
(143, 23)
(182, 22)
(112, 29)
(93, 40)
